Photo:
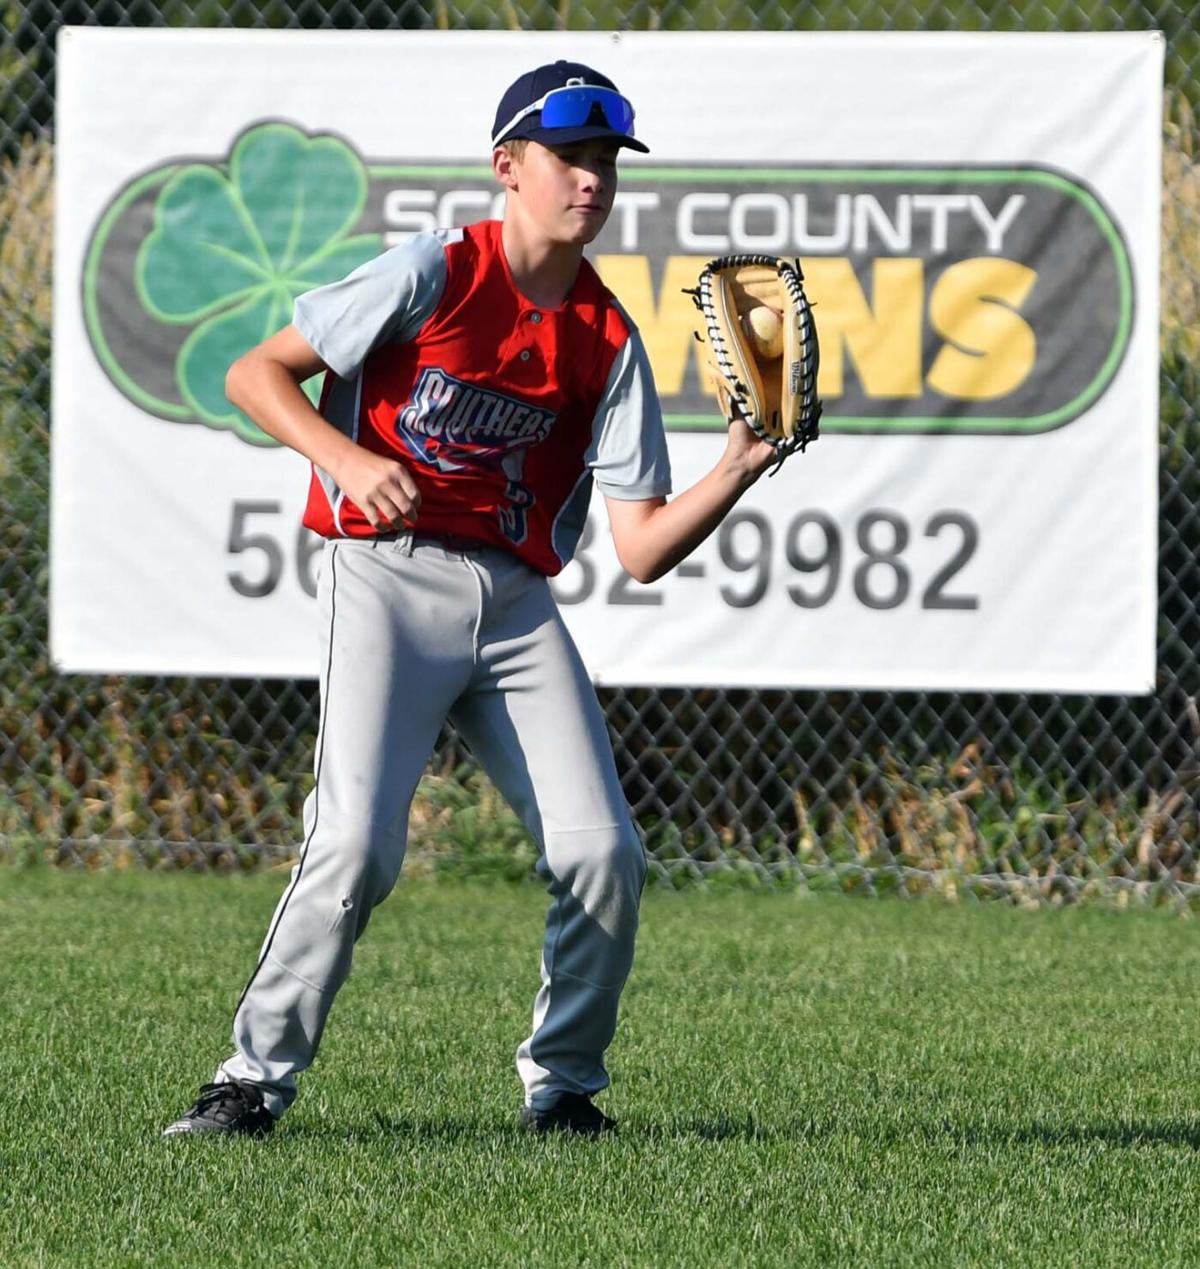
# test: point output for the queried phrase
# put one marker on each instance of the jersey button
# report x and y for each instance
(535, 318)
(525, 354)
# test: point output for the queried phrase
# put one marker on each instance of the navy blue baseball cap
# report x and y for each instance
(562, 103)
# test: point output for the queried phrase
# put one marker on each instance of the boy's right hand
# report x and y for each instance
(382, 488)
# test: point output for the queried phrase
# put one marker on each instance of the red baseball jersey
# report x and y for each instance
(505, 412)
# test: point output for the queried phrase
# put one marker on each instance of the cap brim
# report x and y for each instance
(570, 136)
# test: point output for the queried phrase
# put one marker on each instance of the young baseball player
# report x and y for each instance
(478, 382)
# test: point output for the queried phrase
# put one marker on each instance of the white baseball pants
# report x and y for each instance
(415, 632)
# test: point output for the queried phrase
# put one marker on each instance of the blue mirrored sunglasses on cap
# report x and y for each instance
(572, 107)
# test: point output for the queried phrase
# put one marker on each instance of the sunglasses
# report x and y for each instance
(572, 108)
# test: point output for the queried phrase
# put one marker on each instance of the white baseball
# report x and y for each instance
(764, 326)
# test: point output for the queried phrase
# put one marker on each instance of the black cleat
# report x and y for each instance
(573, 1112)
(234, 1109)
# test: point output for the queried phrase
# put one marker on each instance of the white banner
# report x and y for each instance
(978, 219)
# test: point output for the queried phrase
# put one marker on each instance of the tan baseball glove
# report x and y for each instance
(760, 347)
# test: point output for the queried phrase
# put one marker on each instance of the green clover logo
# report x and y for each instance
(231, 250)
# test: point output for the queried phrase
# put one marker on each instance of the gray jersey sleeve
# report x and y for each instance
(628, 454)
(386, 300)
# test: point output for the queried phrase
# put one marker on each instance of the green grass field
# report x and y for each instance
(799, 1081)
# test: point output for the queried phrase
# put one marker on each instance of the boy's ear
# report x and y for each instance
(505, 167)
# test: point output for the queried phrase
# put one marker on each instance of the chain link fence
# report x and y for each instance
(1031, 796)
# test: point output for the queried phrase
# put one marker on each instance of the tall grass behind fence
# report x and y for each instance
(1022, 794)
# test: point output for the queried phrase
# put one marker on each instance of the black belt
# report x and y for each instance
(447, 541)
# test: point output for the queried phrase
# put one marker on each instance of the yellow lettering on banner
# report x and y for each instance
(666, 323)
(990, 349)
(883, 338)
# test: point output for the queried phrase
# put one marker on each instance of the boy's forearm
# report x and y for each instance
(672, 531)
(269, 393)
(268, 390)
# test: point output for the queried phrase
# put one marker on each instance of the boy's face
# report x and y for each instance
(566, 191)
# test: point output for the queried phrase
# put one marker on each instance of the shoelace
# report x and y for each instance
(212, 1094)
